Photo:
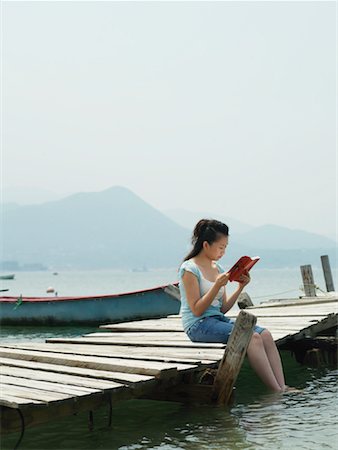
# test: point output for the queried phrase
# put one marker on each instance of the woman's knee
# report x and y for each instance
(256, 340)
(267, 336)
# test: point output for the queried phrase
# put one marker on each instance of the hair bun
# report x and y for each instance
(200, 229)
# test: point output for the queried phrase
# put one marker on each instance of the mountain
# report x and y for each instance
(274, 236)
(112, 228)
(277, 246)
(115, 228)
(188, 219)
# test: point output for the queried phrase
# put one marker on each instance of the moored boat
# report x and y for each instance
(10, 276)
(149, 303)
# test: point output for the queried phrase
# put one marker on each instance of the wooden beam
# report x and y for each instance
(327, 273)
(308, 281)
(234, 354)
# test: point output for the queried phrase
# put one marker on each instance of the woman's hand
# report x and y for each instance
(244, 280)
(222, 279)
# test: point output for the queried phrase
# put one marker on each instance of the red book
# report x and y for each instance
(243, 265)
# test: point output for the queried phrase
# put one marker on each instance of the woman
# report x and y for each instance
(202, 284)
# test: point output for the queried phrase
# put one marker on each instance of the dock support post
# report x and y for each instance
(233, 357)
(327, 273)
(308, 281)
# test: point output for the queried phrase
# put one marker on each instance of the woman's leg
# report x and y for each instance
(218, 329)
(273, 357)
(260, 363)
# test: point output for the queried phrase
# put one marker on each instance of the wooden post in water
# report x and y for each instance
(327, 273)
(233, 357)
(308, 281)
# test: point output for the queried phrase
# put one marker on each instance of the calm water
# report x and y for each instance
(306, 420)
(265, 284)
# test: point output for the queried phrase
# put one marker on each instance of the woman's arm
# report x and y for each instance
(229, 303)
(197, 303)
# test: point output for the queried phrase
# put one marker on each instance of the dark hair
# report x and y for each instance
(206, 230)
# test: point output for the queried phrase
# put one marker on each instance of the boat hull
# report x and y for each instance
(7, 277)
(151, 303)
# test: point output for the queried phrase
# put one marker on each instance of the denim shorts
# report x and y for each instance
(214, 329)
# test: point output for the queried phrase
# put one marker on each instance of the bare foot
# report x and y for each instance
(290, 389)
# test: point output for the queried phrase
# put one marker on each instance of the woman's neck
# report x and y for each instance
(203, 261)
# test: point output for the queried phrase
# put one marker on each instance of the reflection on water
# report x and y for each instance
(305, 420)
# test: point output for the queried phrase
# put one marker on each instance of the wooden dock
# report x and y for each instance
(144, 359)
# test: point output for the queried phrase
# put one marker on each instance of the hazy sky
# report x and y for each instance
(228, 107)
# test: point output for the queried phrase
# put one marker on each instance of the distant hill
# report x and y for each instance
(117, 229)
(283, 247)
(274, 236)
(277, 246)
(112, 228)
(188, 219)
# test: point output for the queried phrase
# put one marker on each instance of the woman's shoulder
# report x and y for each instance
(190, 266)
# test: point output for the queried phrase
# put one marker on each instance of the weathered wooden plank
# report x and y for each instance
(277, 337)
(289, 319)
(301, 302)
(293, 310)
(47, 385)
(172, 331)
(295, 327)
(114, 341)
(172, 336)
(286, 329)
(73, 380)
(121, 350)
(233, 358)
(11, 401)
(285, 315)
(138, 353)
(141, 326)
(135, 342)
(308, 281)
(327, 273)
(149, 325)
(121, 365)
(328, 323)
(180, 352)
(33, 393)
(72, 370)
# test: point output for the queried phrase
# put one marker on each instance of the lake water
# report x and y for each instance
(265, 284)
(257, 420)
